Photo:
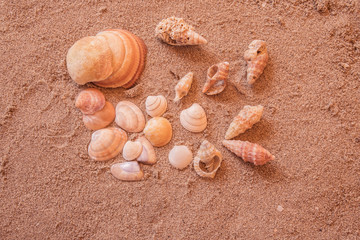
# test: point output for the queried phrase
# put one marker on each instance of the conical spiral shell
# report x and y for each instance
(147, 155)
(101, 118)
(158, 131)
(106, 143)
(90, 101)
(132, 150)
(207, 160)
(129, 117)
(175, 31)
(156, 105)
(183, 86)
(216, 78)
(249, 152)
(193, 118)
(246, 118)
(256, 57)
(127, 171)
(180, 157)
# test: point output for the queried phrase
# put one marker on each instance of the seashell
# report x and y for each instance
(156, 105)
(249, 152)
(208, 160)
(256, 57)
(183, 86)
(101, 118)
(113, 58)
(175, 31)
(127, 171)
(216, 78)
(129, 117)
(147, 155)
(106, 143)
(90, 101)
(180, 157)
(158, 131)
(193, 118)
(132, 150)
(246, 118)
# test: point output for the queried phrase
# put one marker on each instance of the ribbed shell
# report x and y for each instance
(256, 57)
(208, 160)
(129, 117)
(158, 131)
(127, 171)
(156, 105)
(90, 101)
(180, 156)
(147, 155)
(193, 118)
(216, 78)
(101, 118)
(183, 86)
(132, 150)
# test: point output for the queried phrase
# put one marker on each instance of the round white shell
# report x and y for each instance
(193, 118)
(180, 157)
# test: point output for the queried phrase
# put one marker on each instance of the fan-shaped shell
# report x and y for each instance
(127, 171)
(256, 57)
(106, 143)
(193, 118)
(101, 118)
(129, 117)
(207, 160)
(180, 156)
(156, 105)
(183, 86)
(147, 155)
(158, 131)
(216, 78)
(132, 150)
(90, 101)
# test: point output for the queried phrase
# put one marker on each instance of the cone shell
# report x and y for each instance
(132, 150)
(193, 118)
(256, 57)
(127, 171)
(147, 155)
(106, 143)
(180, 156)
(216, 78)
(158, 131)
(249, 152)
(101, 118)
(246, 118)
(129, 117)
(175, 31)
(183, 86)
(90, 101)
(207, 160)
(156, 105)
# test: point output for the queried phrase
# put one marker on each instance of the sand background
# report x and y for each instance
(50, 189)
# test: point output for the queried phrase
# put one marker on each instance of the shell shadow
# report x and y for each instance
(265, 82)
(259, 132)
(271, 172)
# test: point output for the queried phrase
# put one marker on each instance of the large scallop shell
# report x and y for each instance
(106, 143)
(158, 131)
(132, 150)
(127, 171)
(193, 118)
(180, 156)
(207, 160)
(216, 78)
(155, 105)
(256, 57)
(147, 155)
(90, 101)
(101, 118)
(249, 152)
(129, 117)
(175, 31)
(246, 118)
(183, 86)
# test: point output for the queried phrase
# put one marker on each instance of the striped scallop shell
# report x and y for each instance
(158, 131)
(156, 105)
(127, 171)
(90, 101)
(100, 119)
(183, 86)
(256, 57)
(193, 118)
(216, 78)
(129, 117)
(132, 150)
(208, 160)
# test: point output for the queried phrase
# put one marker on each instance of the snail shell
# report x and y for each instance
(193, 118)
(132, 150)
(90, 101)
(101, 118)
(106, 143)
(129, 117)
(207, 160)
(256, 57)
(127, 171)
(217, 76)
(180, 157)
(156, 105)
(158, 131)
(183, 86)
(147, 155)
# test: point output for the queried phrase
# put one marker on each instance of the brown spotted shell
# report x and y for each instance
(256, 57)
(129, 117)
(127, 171)
(216, 78)
(90, 101)
(100, 119)
(208, 160)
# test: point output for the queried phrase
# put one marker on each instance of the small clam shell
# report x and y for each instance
(183, 86)
(193, 118)
(207, 160)
(106, 143)
(129, 117)
(147, 155)
(127, 171)
(217, 76)
(101, 118)
(256, 57)
(90, 100)
(180, 157)
(156, 105)
(158, 131)
(132, 150)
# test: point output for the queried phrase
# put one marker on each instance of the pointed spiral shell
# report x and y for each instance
(208, 160)
(129, 117)
(90, 101)
(147, 155)
(158, 131)
(216, 78)
(155, 105)
(180, 156)
(100, 119)
(193, 118)
(256, 57)
(127, 171)
(183, 86)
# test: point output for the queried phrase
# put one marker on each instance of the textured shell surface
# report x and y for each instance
(175, 31)
(106, 143)
(257, 58)
(158, 131)
(208, 160)
(216, 78)
(193, 118)
(101, 118)
(129, 117)
(246, 118)
(132, 150)
(127, 171)
(147, 155)
(90, 100)
(156, 105)
(249, 152)
(180, 156)
(183, 86)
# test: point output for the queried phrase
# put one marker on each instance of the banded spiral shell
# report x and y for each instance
(106, 143)
(208, 160)
(156, 105)
(90, 101)
(180, 156)
(147, 155)
(127, 171)
(129, 117)
(158, 131)
(183, 86)
(132, 150)
(100, 119)
(256, 57)
(193, 118)
(216, 78)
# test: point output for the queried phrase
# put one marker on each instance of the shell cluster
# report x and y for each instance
(156, 105)
(208, 160)
(216, 78)
(193, 118)
(183, 86)
(256, 57)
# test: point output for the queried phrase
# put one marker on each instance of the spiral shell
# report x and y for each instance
(180, 157)
(129, 117)
(256, 57)
(216, 78)
(249, 152)
(147, 155)
(158, 131)
(106, 143)
(175, 31)
(156, 105)
(101, 118)
(183, 86)
(90, 101)
(193, 118)
(127, 171)
(246, 118)
(132, 150)
(207, 160)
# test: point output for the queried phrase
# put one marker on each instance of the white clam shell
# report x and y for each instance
(180, 157)
(156, 105)
(132, 150)
(147, 155)
(129, 117)
(127, 171)
(194, 118)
